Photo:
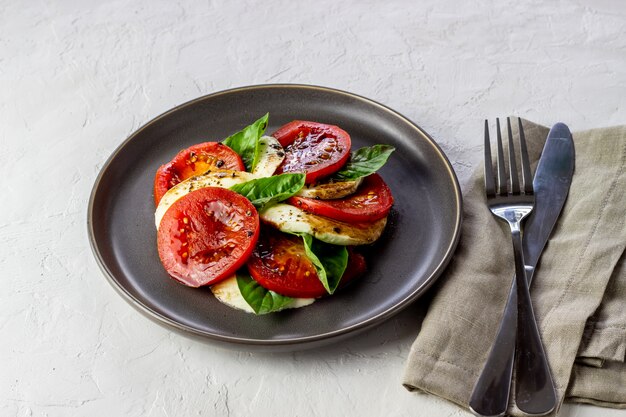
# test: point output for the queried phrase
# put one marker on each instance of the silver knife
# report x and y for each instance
(490, 396)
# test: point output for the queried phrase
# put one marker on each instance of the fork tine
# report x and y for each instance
(526, 178)
(512, 164)
(490, 188)
(500, 162)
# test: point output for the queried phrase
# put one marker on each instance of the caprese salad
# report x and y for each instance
(271, 222)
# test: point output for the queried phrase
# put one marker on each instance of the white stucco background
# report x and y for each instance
(77, 77)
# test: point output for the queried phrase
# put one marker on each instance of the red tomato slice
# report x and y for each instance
(195, 160)
(355, 268)
(207, 235)
(371, 201)
(279, 263)
(315, 148)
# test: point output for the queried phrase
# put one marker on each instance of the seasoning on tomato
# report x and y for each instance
(317, 149)
(371, 201)
(195, 160)
(279, 263)
(205, 236)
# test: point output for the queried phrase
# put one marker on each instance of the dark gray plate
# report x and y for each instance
(421, 235)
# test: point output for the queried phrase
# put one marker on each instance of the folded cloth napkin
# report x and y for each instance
(578, 291)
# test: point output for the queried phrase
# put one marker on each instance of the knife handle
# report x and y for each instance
(490, 395)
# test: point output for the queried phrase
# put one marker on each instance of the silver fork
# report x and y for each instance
(534, 390)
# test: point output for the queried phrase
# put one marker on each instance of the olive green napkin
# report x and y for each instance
(578, 292)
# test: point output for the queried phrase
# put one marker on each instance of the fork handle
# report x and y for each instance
(490, 395)
(534, 389)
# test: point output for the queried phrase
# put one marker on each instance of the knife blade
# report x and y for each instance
(551, 185)
(490, 396)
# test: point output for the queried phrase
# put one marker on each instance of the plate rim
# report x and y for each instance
(170, 323)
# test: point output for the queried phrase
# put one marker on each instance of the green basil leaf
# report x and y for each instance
(246, 142)
(261, 300)
(330, 261)
(365, 161)
(265, 191)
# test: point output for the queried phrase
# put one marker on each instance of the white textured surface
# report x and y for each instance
(77, 77)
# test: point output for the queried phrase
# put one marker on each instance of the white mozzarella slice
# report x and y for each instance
(271, 155)
(222, 178)
(330, 190)
(290, 219)
(227, 292)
